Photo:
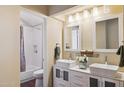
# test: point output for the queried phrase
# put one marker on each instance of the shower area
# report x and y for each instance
(31, 46)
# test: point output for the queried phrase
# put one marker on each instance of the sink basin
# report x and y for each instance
(103, 69)
(65, 63)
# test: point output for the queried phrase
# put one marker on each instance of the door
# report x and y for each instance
(110, 83)
(56, 76)
(94, 81)
(65, 76)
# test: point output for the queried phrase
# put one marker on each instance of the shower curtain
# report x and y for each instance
(22, 54)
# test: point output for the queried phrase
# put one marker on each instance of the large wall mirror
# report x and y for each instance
(108, 33)
(72, 38)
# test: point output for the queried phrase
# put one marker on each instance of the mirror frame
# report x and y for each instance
(120, 27)
(65, 29)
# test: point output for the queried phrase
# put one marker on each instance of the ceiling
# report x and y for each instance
(53, 9)
(58, 12)
(79, 8)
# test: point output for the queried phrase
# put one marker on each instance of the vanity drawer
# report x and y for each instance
(60, 84)
(77, 75)
(79, 83)
(76, 84)
(78, 79)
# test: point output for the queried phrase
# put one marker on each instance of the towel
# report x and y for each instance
(121, 53)
(57, 52)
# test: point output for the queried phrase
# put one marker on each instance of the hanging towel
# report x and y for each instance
(57, 52)
(121, 53)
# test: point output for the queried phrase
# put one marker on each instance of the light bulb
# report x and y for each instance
(70, 18)
(86, 13)
(95, 11)
(106, 9)
(77, 16)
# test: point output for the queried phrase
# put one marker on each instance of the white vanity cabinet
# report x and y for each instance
(61, 77)
(78, 79)
(72, 76)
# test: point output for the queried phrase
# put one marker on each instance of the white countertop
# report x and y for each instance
(76, 68)
(118, 76)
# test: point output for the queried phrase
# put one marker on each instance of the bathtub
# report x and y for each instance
(28, 74)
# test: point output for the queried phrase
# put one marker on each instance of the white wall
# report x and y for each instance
(9, 46)
(54, 35)
(33, 36)
(28, 46)
(37, 40)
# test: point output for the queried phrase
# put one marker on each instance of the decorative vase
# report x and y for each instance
(82, 65)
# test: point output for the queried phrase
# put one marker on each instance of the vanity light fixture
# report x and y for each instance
(70, 18)
(86, 13)
(95, 11)
(106, 9)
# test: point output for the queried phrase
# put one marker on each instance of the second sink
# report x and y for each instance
(103, 69)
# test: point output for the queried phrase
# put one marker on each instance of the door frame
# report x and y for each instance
(45, 60)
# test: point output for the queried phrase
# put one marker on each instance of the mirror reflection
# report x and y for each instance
(107, 34)
(72, 38)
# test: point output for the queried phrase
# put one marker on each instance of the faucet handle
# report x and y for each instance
(106, 59)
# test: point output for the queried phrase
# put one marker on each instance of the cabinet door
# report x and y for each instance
(60, 84)
(66, 75)
(57, 74)
(110, 83)
(94, 81)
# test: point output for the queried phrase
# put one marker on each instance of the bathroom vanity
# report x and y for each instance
(73, 76)
(84, 78)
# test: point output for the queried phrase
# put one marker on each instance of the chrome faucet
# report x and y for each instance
(106, 60)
